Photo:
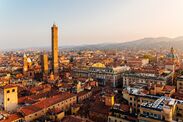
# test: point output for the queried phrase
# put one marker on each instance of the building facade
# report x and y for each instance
(163, 109)
(9, 97)
(104, 75)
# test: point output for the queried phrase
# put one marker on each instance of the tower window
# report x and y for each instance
(13, 90)
(8, 91)
(8, 99)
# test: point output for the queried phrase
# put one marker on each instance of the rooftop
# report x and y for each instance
(8, 86)
(180, 78)
(45, 103)
(162, 77)
(100, 107)
(83, 92)
(162, 102)
(11, 117)
(72, 118)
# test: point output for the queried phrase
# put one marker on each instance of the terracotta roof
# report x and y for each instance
(168, 88)
(11, 118)
(178, 96)
(34, 98)
(100, 107)
(8, 86)
(72, 118)
(83, 93)
(125, 108)
(45, 103)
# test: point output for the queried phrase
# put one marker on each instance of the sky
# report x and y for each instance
(27, 23)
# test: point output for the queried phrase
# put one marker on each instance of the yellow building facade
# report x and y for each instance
(9, 97)
(109, 99)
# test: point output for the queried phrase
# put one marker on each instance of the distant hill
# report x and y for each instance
(145, 43)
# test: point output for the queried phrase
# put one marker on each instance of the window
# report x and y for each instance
(13, 90)
(155, 115)
(138, 110)
(109, 119)
(158, 116)
(8, 91)
(8, 99)
(131, 104)
(144, 113)
(151, 114)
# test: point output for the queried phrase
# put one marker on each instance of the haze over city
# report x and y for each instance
(27, 23)
(91, 61)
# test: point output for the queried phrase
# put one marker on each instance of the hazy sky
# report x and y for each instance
(26, 23)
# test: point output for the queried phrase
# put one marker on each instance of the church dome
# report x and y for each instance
(172, 54)
(99, 65)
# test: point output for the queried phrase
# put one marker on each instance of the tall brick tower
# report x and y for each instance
(44, 63)
(25, 64)
(54, 30)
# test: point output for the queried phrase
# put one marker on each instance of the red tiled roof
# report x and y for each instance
(178, 96)
(8, 86)
(100, 107)
(34, 98)
(125, 108)
(74, 119)
(45, 103)
(83, 93)
(11, 118)
(168, 88)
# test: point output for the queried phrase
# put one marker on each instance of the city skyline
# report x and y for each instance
(26, 24)
(91, 61)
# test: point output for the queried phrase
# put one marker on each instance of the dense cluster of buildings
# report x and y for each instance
(91, 85)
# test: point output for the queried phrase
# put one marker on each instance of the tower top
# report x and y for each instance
(172, 50)
(24, 55)
(54, 25)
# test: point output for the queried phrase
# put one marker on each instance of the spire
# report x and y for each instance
(24, 55)
(172, 50)
(44, 51)
(54, 24)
